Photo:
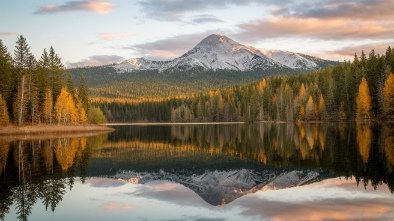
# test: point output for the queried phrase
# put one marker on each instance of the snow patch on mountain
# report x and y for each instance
(290, 59)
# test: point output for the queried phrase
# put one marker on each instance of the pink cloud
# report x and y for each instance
(100, 7)
(348, 51)
(7, 33)
(334, 29)
(369, 205)
(112, 206)
(110, 36)
(162, 55)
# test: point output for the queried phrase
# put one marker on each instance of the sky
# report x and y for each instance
(99, 32)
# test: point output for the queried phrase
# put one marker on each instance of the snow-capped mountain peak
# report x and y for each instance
(217, 51)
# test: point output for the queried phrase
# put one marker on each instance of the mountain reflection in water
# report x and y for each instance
(220, 163)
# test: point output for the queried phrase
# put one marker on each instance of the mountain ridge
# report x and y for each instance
(218, 52)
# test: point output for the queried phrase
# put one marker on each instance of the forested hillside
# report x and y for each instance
(36, 91)
(151, 85)
(361, 89)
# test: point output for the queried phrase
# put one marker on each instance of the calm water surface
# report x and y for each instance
(202, 172)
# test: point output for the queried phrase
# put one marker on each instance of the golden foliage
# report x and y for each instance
(4, 149)
(322, 108)
(302, 93)
(4, 117)
(309, 109)
(363, 100)
(388, 95)
(364, 138)
(65, 151)
(65, 111)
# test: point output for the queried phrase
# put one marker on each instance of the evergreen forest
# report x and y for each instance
(39, 91)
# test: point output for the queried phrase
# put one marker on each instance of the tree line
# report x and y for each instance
(37, 92)
(359, 90)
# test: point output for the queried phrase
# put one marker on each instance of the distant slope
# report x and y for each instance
(105, 82)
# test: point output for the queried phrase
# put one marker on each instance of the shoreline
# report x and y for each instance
(244, 122)
(52, 129)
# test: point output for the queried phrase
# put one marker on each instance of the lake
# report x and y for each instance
(204, 172)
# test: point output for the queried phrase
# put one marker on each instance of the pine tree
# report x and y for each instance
(5, 71)
(22, 60)
(4, 117)
(363, 100)
(388, 96)
(21, 54)
(55, 73)
(32, 90)
(83, 93)
(48, 106)
(70, 86)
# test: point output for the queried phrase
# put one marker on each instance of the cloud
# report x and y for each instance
(105, 182)
(331, 209)
(347, 53)
(340, 200)
(110, 36)
(7, 33)
(97, 6)
(201, 19)
(355, 9)
(165, 190)
(175, 10)
(112, 206)
(312, 28)
(96, 60)
(171, 47)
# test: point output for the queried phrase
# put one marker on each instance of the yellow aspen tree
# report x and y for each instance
(322, 108)
(309, 109)
(302, 94)
(364, 140)
(65, 151)
(4, 117)
(301, 113)
(65, 110)
(363, 100)
(83, 119)
(388, 96)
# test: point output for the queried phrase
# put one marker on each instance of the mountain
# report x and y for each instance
(219, 188)
(216, 62)
(218, 52)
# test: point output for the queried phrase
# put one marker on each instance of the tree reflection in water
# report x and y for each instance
(41, 170)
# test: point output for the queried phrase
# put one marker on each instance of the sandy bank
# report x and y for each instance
(52, 129)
